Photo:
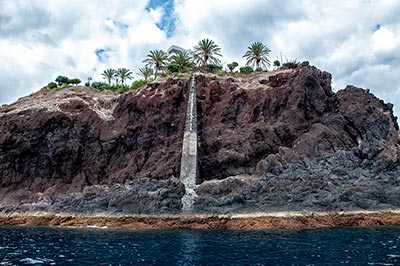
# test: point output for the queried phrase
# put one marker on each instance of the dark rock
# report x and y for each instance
(268, 141)
(140, 196)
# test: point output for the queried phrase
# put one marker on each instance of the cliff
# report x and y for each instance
(280, 140)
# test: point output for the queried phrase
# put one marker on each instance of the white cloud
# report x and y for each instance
(357, 41)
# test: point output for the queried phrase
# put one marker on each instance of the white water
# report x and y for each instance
(189, 151)
(188, 199)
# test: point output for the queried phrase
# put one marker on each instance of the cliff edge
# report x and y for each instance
(279, 140)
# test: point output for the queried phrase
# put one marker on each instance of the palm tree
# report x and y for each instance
(158, 59)
(123, 74)
(257, 54)
(183, 60)
(146, 72)
(109, 74)
(205, 52)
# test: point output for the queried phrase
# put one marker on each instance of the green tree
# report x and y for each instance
(277, 64)
(205, 53)
(87, 83)
(183, 60)
(257, 55)
(109, 74)
(61, 80)
(157, 59)
(123, 74)
(232, 66)
(146, 72)
(74, 81)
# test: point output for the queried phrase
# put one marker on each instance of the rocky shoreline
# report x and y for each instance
(234, 221)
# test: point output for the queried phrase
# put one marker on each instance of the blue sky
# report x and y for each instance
(357, 41)
(167, 21)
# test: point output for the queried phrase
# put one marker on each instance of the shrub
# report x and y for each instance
(139, 83)
(52, 85)
(246, 69)
(4, 105)
(277, 64)
(259, 69)
(120, 88)
(100, 85)
(87, 83)
(211, 68)
(173, 68)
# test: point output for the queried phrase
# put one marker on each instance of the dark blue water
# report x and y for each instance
(338, 246)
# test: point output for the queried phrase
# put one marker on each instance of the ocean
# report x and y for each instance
(97, 246)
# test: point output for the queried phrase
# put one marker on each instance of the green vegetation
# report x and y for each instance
(87, 83)
(103, 86)
(157, 59)
(109, 74)
(183, 60)
(257, 55)
(52, 85)
(246, 69)
(145, 72)
(205, 57)
(61, 80)
(74, 81)
(173, 68)
(139, 83)
(215, 69)
(277, 64)
(232, 66)
(123, 74)
(100, 85)
(205, 53)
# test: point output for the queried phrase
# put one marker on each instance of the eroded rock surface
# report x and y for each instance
(53, 144)
(280, 140)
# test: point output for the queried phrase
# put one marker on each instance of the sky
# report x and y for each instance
(357, 41)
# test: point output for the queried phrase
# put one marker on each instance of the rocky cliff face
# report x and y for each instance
(280, 140)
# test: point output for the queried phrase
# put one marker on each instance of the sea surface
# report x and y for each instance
(96, 246)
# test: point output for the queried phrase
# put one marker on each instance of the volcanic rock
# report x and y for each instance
(280, 140)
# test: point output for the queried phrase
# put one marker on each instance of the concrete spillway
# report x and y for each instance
(189, 162)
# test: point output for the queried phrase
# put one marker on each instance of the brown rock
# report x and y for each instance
(292, 142)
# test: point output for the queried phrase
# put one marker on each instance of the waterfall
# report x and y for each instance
(189, 166)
